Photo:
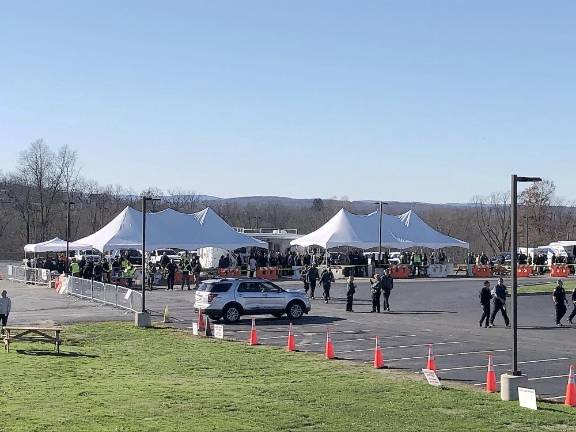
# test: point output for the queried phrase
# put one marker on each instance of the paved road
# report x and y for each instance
(442, 312)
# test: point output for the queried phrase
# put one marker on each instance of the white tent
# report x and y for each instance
(217, 233)
(54, 245)
(362, 231)
(167, 228)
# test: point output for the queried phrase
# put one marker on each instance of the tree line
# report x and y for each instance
(34, 196)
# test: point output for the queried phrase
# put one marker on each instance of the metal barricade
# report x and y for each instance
(29, 275)
(113, 295)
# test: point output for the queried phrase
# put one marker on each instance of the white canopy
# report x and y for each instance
(221, 235)
(167, 228)
(54, 245)
(362, 231)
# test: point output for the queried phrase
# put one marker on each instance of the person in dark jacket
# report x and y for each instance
(326, 279)
(304, 278)
(500, 294)
(560, 302)
(387, 284)
(186, 268)
(312, 276)
(171, 274)
(485, 298)
(350, 294)
(573, 313)
(376, 290)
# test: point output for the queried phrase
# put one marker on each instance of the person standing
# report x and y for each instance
(485, 298)
(304, 278)
(186, 267)
(171, 274)
(326, 279)
(573, 313)
(387, 283)
(500, 294)
(560, 302)
(312, 276)
(350, 294)
(196, 270)
(376, 289)
(252, 263)
(5, 306)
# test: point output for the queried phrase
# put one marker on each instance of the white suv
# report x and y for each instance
(231, 298)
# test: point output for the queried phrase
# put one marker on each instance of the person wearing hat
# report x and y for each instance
(560, 301)
(485, 298)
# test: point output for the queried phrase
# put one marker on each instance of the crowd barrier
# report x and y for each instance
(481, 271)
(402, 271)
(437, 271)
(29, 275)
(229, 272)
(524, 270)
(269, 273)
(560, 270)
(113, 295)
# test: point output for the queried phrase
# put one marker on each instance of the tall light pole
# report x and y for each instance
(68, 204)
(514, 225)
(380, 204)
(143, 319)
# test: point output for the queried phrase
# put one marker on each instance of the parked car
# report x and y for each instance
(156, 255)
(230, 298)
(393, 257)
(134, 256)
(89, 255)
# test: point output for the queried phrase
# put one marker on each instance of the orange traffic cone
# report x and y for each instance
(201, 322)
(329, 349)
(571, 389)
(253, 334)
(291, 344)
(491, 375)
(431, 363)
(378, 358)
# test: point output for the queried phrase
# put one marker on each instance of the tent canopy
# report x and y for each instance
(55, 245)
(167, 228)
(362, 231)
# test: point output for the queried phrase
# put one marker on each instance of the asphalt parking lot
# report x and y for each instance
(442, 312)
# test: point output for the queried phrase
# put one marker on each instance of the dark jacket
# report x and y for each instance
(312, 274)
(559, 295)
(376, 287)
(351, 289)
(387, 284)
(327, 277)
(485, 295)
(501, 293)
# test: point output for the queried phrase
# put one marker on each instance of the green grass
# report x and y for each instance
(569, 285)
(120, 378)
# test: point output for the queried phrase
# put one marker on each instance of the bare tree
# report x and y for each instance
(492, 218)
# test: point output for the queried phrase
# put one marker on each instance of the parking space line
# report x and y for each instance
(396, 347)
(353, 340)
(554, 397)
(547, 377)
(502, 364)
(449, 354)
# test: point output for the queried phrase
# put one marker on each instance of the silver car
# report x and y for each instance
(231, 298)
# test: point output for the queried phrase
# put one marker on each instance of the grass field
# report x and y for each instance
(114, 377)
(569, 285)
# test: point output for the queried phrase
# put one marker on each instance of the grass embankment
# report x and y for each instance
(547, 287)
(119, 378)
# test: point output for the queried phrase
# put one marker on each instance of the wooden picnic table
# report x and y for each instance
(32, 334)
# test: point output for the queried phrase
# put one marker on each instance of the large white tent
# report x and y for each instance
(167, 228)
(362, 231)
(221, 235)
(54, 245)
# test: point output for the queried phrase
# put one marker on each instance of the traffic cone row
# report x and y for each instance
(253, 334)
(329, 347)
(431, 363)
(291, 343)
(491, 375)
(378, 357)
(570, 399)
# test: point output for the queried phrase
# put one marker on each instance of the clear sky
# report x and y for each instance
(398, 100)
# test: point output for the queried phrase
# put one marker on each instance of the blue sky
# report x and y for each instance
(408, 100)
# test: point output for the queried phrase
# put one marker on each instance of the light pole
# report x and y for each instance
(142, 318)
(68, 204)
(380, 204)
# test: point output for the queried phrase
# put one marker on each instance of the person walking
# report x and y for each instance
(387, 283)
(186, 268)
(151, 274)
(350, 294)
(560, 302)
(573, 313)
(5, 306)
(312, 276)
(252, 263)
(376, 289)
(500, 294)
(485, 298)
(304, 278)
(326, 279)
(171, 274)
(196, 270)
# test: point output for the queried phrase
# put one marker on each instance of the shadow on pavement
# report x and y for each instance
(54, 354)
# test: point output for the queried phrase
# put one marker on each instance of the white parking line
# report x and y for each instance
(548, 377)
(449, 355)
(501, 364)
(397, 347)
(554, 397)
(354, 340)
